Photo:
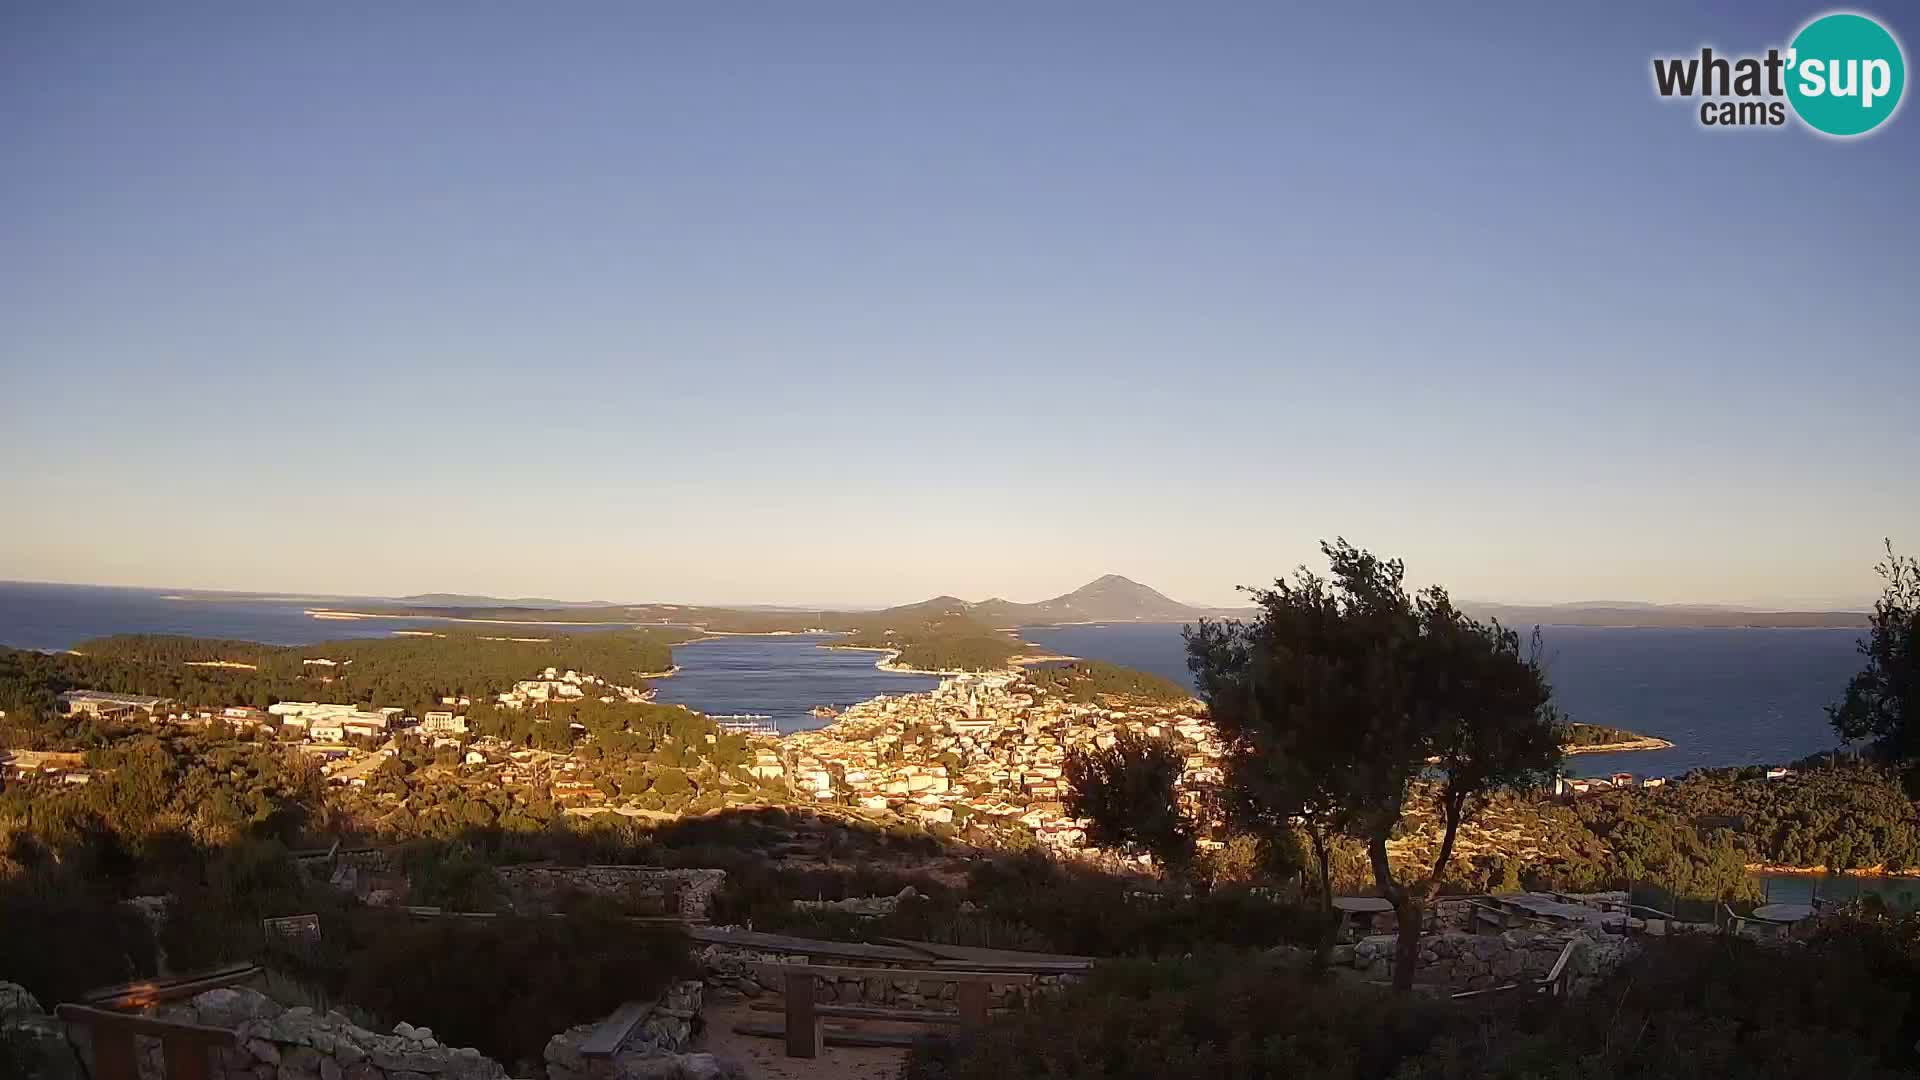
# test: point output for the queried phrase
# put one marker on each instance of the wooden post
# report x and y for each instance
(804, 1035)
(185, 1045)
(185, 1060)
(972, 997)
(113, 1056)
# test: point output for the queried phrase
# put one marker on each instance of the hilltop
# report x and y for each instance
(1110, 598)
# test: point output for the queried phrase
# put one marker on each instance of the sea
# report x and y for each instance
(1721, 697)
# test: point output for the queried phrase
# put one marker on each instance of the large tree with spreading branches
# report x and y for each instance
(1349, 701)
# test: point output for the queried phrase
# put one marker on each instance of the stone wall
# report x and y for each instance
(730, 974)
(655, 1050)
(32, 1041)
(1460, 961)
(532, 889)
(535, 889)
(277, 1043)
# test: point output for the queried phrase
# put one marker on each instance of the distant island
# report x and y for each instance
(1110, 598)
(947, 634)
(1676, 616)
(1600, 739)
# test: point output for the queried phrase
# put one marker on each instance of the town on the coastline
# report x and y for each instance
(984, 751)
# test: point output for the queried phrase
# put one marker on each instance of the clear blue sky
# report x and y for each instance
(825, 302)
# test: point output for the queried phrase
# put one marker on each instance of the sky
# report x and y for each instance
(859, 303)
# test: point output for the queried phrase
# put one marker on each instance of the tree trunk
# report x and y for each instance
(1406, 910)
(1409, 910)
(1329, 927)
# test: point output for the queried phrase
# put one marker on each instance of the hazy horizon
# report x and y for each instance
(868, 303)
(1862, 604)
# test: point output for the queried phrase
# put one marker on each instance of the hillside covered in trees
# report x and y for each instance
(411, 672)
(1091, 680)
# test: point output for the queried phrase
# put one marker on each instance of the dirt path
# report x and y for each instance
(768, 1057)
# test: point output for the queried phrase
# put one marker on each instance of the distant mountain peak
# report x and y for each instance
(1107, 598)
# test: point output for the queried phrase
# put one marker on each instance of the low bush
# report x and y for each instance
(1708, 1007)
(506, 985)
(1212, 1015)
(1845, 1004)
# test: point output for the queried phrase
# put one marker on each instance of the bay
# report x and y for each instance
(1723, 697)
(780, 676)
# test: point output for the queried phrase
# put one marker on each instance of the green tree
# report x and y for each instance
(1129, 794)
(1363, 698)
(1279, 775)
(1882, 702)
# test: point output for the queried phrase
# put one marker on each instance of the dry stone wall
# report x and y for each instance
(1461, 961)
(536, 889)
(276, 1043)
(32, 1042)
(731, 975)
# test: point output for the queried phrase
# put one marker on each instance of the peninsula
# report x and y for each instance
(1600, 739)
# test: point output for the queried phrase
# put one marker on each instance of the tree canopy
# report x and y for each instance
(1882, 703)
(1346, 690)
(1129, 794)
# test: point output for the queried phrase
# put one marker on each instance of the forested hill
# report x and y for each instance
(412, 672)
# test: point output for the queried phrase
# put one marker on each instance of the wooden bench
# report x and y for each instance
(805, 1033)
(184, 1046)
(604, 1041)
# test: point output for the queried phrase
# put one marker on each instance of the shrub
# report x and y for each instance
(506, 985)
(1213, 1015)
(1706, 1007)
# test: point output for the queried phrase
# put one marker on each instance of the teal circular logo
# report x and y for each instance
(1845, 74)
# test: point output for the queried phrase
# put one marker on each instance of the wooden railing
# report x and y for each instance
(184, 1047)
(148, 992)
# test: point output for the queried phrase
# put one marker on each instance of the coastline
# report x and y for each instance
(334, 615)
(1821, 871)
(886, 663)
(1645, 742)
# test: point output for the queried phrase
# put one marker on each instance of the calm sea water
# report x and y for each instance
(61, 616)
(1722, 697)
(782, 677)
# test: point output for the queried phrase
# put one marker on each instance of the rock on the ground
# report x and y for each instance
(37, 1042)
